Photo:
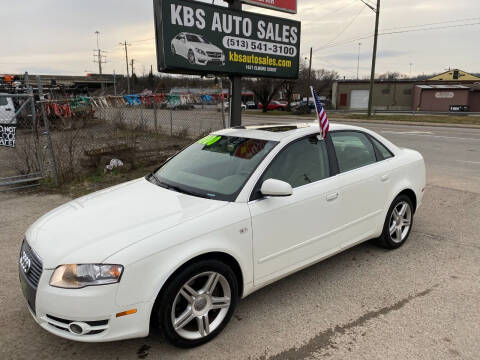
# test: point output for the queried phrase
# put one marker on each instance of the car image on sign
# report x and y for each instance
(197, 50)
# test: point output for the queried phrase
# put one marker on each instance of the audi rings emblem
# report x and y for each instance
(25, 262)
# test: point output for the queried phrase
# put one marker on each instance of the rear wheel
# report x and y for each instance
(398, 223)
(198, 303)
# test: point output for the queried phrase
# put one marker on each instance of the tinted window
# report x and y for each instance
(303, 162)
(353, 150)
(386, 154)
(215, 167)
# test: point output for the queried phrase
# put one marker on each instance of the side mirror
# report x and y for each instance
(274, 187)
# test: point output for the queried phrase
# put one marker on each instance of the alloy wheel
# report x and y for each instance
(400, 222)
(201, 305)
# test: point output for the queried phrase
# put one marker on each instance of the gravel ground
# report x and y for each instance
(418, 302)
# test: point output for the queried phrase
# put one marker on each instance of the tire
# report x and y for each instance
(191, 57)
(192, 316)
(397, 230)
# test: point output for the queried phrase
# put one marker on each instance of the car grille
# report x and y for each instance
(213, 54)
(96, 326)
(35, 271)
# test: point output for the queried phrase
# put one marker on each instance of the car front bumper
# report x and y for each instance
(93, 307)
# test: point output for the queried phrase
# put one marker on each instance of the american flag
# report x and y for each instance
(322, 115)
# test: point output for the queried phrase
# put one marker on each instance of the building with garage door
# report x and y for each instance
(387, 94)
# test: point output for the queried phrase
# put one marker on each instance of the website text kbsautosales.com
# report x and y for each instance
(252, 59)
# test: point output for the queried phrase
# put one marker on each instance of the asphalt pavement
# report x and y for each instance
(418, 302)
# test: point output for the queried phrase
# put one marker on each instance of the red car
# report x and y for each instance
(274, 105)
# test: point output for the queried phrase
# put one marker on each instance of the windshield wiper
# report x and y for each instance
(175, 188)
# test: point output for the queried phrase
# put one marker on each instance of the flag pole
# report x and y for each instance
(316, 109)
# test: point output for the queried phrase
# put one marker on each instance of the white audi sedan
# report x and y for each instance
(235, 211)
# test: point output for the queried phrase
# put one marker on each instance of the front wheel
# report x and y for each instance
(198, 303)
(191, 57)
(398, 223)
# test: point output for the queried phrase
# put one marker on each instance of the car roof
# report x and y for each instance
(281, 132)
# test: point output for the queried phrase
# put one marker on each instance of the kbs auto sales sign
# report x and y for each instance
(198, 38)
(289, 6)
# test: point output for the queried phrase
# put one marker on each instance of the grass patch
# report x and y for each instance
(437, 119)
(434, 119)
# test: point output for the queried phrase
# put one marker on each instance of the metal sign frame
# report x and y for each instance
(261, 4)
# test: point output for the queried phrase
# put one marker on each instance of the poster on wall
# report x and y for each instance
(289, 6)
(7, 135)
(198, 38)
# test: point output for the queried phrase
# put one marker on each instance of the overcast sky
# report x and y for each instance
(57, 36)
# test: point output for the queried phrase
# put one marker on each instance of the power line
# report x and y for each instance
(393, 32)
(346, 27)
(435, 23)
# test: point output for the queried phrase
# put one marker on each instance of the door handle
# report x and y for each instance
(385, 177)
(332, 196)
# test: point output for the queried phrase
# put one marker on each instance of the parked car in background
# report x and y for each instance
(274, 105)
(7, 110)
(251, 105)
(234, 212)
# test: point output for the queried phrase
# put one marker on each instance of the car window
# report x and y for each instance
(216, 166)
(353, 150)
(3, 101)
(302, 162)
(386, 154)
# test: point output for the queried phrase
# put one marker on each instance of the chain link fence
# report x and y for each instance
(66, 138)
(91, 134)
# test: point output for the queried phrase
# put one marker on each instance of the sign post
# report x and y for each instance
(236, 81)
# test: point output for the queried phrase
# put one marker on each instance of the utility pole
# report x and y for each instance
(374, 54)
(236, 83)
(114, 83)
(125, 44)
(358, 58)
(99, 58)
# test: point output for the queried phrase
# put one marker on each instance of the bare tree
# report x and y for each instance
(265, 89)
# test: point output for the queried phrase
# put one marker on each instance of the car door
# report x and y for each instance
(294, 231)
(364, 184)
(182, 46)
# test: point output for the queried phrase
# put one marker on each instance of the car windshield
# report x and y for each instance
(196, 38)
(215, 167)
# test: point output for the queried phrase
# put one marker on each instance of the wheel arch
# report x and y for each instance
(224, 257)
(411, 195)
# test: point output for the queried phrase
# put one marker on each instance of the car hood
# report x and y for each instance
(207, 47)
(91, 228)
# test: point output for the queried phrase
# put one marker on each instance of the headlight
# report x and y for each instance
(78, 276)
(200, 51)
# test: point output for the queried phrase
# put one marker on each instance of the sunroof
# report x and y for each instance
(282, 128)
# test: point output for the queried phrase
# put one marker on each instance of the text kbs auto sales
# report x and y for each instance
(242, 28)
